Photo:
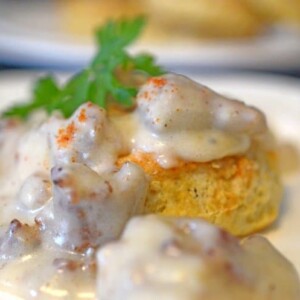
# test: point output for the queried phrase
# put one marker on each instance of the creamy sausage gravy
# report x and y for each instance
(63, 197)
(161, 258)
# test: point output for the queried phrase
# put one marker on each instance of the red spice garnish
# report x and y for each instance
(82, 115)
(158, 81)
(65, 135)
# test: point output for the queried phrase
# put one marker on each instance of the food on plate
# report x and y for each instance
(62, 195)
(82, 17)
(90, 200)
(167, 258)
(167, 19)
(287, 12)
(120, 139)
(190, 20)
(206, 155)
(203, 18)
(62, 198)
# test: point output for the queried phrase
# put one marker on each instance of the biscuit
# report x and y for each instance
(239, 193)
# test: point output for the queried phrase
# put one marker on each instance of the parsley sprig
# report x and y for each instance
(98, 82)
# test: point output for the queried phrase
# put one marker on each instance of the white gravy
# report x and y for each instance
(189, 259)
(62, 196)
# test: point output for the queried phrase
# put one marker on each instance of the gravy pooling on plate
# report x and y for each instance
(167, 258)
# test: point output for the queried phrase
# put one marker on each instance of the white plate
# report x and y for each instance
(278, 97)
(31, 34)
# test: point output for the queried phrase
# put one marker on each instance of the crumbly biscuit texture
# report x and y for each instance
(240, 193)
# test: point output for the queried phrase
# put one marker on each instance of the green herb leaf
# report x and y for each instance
(44, 90)
(98, 82)
(146, 63)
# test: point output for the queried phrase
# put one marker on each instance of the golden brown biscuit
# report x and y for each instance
(239, 193)
(168, 20)
(82, 17)
(285, 11)
(203, 18)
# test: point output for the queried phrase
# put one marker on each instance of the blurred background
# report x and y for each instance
(195, 36)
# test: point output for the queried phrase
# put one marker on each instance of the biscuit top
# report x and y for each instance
(161, 258)
(177, 118)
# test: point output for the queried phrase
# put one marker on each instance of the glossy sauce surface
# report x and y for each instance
(59, 176)
(167, 258)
